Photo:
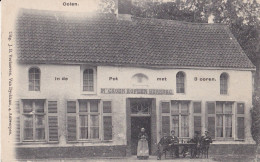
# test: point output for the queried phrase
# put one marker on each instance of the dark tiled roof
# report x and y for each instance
(48, 36)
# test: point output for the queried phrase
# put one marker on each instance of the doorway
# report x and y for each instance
(136, 124)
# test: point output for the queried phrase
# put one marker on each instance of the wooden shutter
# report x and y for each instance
(53, 121)
(240, 118)
(107, 120)
(165, 116)
(17, 122)
(210, 113)
(197, 116)
(71, 121)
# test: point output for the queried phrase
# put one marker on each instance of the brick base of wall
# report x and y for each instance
(70, 152)
(120, 151)
(232, 149)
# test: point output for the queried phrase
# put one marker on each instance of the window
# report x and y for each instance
(224, 83)
(36, 121)
(175, 116)
(180, 85)
(220, 119)
(240, 119)
(84, 120)
(34, 79)
(224, 119)
(88, 80)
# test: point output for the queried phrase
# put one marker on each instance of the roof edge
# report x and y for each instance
(140, 65)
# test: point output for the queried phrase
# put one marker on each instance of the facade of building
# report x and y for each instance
(88, 84)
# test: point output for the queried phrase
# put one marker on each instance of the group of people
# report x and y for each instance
(168, 143)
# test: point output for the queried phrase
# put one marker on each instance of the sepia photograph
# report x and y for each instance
(130, 80)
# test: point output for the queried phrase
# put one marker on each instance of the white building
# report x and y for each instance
(87, 84)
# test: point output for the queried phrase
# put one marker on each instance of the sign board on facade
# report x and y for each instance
(136, 91)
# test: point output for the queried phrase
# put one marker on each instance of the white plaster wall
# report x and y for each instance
(240, 89)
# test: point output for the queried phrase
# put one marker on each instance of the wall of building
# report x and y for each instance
(198, 88)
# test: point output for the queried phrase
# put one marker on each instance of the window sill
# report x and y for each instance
(223, 139)
(87, 93)
(36, 142)
(91, 141)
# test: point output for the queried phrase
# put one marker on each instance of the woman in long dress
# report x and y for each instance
(142, 148)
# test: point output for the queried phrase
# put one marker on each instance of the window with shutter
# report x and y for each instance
(53, 121)
(175, 116)
(107, 120)
(240, 121)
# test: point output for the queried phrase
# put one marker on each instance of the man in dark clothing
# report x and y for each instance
(205, 142)
(163, 145)
(174, 140)
(195, 149)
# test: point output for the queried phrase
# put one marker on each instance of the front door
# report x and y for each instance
(140, 109)
(136, 124)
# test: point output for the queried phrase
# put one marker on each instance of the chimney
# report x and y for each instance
(124, 10)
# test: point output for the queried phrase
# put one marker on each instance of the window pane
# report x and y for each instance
(219, 108)
(228, 108)
(107, 107)
(241, 127)
(40, 134)
(197, 107)
(211, 126)
(228, 125)
(28, 127)
(39, 106)
(93, 106)
(223, 83)
(211, 108)
(27, 106)
(40, 127)
(94, 132)
(83, 106)
(88, 80)
(175, 124)
(94, 121)
(219, 125)
(40, 121)
(37, 76)
(83, 127)
(31, 85)
(180, 82)
(83, 120)
(240, 108)
(184, 107)
(175, 107)
(185, 126)
(165, 125)
(165, 107)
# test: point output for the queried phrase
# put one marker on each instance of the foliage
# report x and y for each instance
(255, 115)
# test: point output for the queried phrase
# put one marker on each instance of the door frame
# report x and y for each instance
(153, 122)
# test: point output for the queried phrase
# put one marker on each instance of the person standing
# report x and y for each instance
(195, 149)
(174, 140)
(205, 142)
(142, 148)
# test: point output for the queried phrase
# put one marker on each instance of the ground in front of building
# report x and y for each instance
(226, 158)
